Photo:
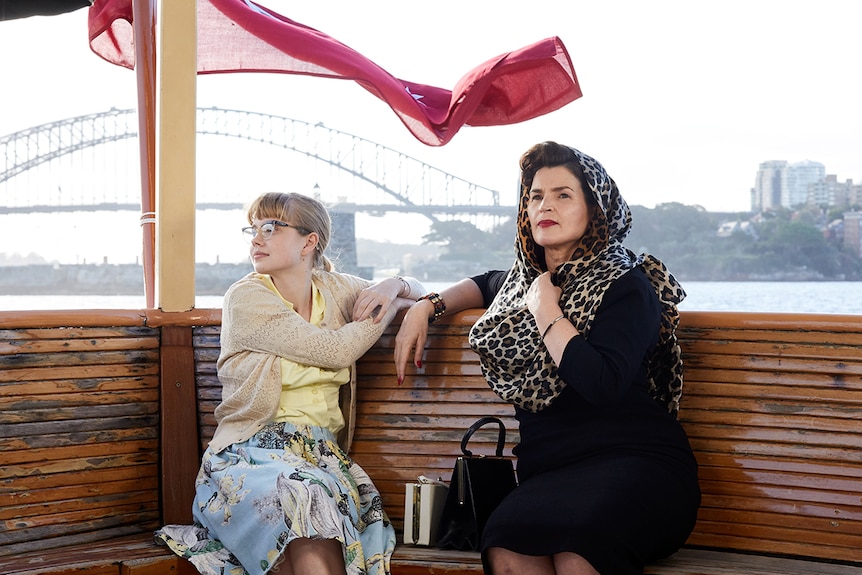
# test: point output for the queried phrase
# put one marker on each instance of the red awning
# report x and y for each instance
(241, 36)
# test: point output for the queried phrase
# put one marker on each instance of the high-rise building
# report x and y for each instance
(779, 184)
(767, 185)
(796, 179)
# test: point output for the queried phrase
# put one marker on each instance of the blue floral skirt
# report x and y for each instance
(284, 483)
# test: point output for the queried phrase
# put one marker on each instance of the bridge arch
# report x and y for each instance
(406, 184)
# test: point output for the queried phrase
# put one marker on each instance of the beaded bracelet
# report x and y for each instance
(439, 305)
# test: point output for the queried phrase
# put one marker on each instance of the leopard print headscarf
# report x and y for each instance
(514, 359)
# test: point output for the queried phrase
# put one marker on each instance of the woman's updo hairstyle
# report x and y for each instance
(551, 155)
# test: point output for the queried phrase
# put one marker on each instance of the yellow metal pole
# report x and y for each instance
(175, 155)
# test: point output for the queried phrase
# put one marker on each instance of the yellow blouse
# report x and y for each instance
(309, 395)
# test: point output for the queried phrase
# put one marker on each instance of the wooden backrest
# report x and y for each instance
(772, 404)
(79, 435)
(207, 347)
(773, 407)
(416, 428)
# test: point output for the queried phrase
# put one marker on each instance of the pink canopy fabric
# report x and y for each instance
(241, 36)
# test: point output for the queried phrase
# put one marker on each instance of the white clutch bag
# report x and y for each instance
(423, 505)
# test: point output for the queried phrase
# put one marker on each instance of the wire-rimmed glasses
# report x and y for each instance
(266, 229)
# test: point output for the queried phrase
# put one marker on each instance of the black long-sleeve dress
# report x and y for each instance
(605, 471)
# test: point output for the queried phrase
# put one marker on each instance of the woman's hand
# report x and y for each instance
(543, 299)
(411, 337)
(374, 301)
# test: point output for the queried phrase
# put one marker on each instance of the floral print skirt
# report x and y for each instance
(284, 483)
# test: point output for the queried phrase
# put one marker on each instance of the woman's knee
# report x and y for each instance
(319, 556)
(506, 562)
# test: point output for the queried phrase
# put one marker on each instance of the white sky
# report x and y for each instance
(682, 100)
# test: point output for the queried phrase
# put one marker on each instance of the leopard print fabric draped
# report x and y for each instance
(514, 359)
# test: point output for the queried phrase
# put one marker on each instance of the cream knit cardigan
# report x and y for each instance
(258, 330)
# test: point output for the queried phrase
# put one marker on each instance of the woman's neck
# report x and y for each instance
(295, 288)
(553, 258)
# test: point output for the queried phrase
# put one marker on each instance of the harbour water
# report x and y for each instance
(798, 297)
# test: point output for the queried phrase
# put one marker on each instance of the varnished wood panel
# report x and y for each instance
(773, 407)
(79, 416)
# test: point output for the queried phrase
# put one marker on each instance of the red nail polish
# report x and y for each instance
(419, 364)
(400, 380)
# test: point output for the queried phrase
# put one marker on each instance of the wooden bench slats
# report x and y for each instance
(788, 441)
(739, 412)
(80, 453)
(710, 562)
(767, 345)
(129, 554)
(83, 515)
(84, 372)
(43, 435)
(45, 347)
(770, 518)
(773, 409)
(786, 399)
(773, 415)
(134, 460)
(90, 406)
(89, 332)
(414, 560)
(755, 327)
(64, 358)
(79, 439)
(37, 495)
(731, 465)
(414, 398)
(55, 386)
(797, 547)
(839, 486)
(818, 517)
(92, 480)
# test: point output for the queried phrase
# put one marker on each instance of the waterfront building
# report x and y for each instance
(830, 192)
(853, 232)
(796, 179)
(767, 186)
(779, 184)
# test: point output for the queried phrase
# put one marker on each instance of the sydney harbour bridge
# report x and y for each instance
(90, 163)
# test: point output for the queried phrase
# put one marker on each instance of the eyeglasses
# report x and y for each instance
(266, 229)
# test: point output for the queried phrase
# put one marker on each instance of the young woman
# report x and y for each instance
(276, 486)
(579, 335)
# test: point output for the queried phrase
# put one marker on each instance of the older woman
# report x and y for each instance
(579, 335)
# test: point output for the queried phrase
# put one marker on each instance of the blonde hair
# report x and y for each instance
(299, 211)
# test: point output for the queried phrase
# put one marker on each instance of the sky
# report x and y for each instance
(681, 100)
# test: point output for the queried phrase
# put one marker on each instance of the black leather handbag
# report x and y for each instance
(479, 483)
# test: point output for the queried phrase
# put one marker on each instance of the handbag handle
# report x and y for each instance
(501, 437)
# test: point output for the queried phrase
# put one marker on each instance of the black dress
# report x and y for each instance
(604, 471)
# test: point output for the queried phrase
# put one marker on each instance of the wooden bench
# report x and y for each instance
(772, 404)
(81, 461)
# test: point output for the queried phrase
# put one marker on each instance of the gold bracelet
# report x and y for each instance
(550, 325)
(439, 305)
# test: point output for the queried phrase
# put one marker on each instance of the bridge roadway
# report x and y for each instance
(375, 209)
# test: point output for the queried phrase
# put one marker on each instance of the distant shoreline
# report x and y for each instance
(210, 279)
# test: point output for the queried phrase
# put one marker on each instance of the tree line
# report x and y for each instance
(695, 244)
